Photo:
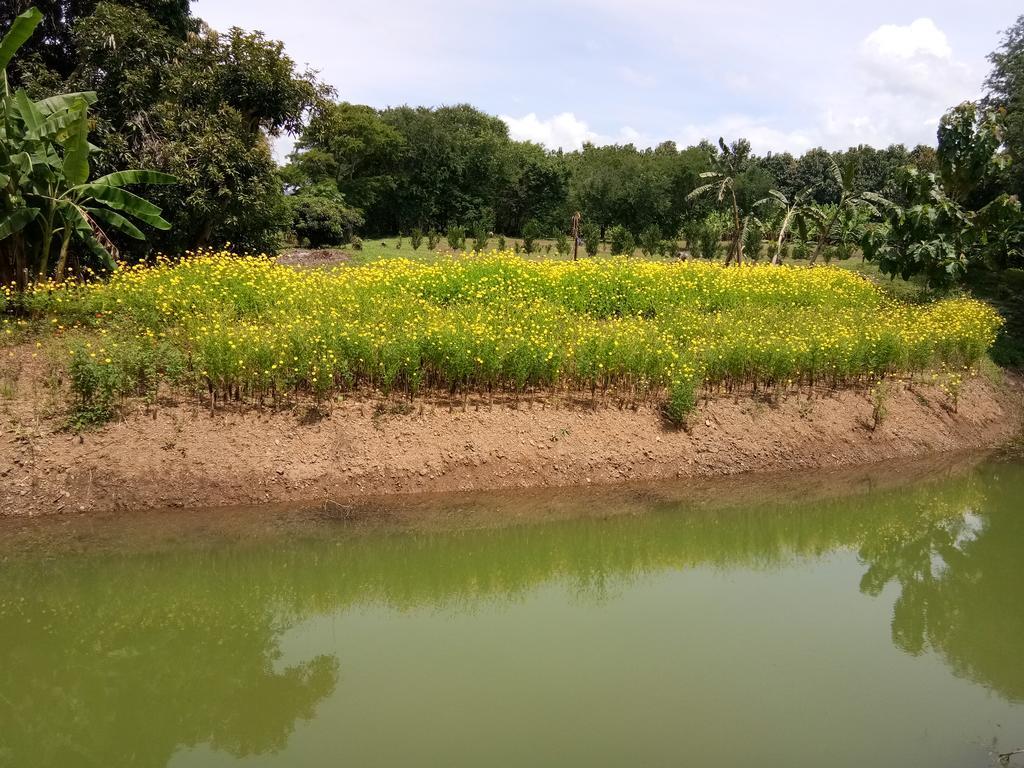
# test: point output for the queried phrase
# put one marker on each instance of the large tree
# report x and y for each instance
(1005, 98)
(179, 97)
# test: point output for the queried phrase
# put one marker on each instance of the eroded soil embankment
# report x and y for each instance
(179, 455)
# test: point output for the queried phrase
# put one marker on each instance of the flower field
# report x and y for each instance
(246, 327)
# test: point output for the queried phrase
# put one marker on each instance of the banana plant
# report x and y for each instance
(722, 183)
(796, 211)
(47, 201)
(849, 199)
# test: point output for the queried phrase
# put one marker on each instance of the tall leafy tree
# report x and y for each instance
(1005, 98)
(47, 200)
(969, 157)
(176, 96)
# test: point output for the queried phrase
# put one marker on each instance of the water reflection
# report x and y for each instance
(957, 567)
(121, 661)
(125, 656)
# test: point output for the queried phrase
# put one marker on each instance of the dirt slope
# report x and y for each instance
(178, 455)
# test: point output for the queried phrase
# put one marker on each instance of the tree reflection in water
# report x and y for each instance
(960, 577)
(125, 657)
(124, 671)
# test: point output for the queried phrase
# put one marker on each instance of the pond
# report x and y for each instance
(870, 618)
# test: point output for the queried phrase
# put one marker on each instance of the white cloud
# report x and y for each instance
(915, 60)
(762, 134)
(903, 80)
(564, 130)
(920, 37)
(875, 71)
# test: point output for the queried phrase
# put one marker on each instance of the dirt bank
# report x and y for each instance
(177, 455)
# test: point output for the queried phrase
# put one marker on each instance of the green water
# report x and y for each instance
(845, 622)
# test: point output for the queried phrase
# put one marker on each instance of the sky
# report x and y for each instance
(788, 75)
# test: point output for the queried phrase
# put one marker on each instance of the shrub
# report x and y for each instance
(752, 242)
(318, 220)
(480, 238)
(433, 238)
(879, 396)
(501, 243)
(562, 244)
(682, 397)
(650, 240)
(691, 233)
(591, 239)
(709, 243)
(356, 243)
(127, 363)
(531, 231)
(456, 237)
(621, 240)
(416, 238)
(398, 243)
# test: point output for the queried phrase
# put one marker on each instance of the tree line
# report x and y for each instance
(402, 168)
(159, 90)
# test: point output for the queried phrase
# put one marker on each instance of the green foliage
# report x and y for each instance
(416, 238)
(620, 240)
(850, 201)
(591, 238)
(356, 243)
(681, 400)
(480, 237)
(879, 396)
(968, 153)
(562, 244)
(126, 363)
(433, 239)
(1005, 100)
(787, 212)
(932, 235)
(501, 242)
(321, 220)
(456, 237)
(650, 240)
(531, 232)
(752, 240)
(47, 203)
(709, 238)
(183, 99)
(691, 232)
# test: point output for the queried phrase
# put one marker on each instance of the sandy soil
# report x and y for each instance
(313, 258)
(178, 455)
